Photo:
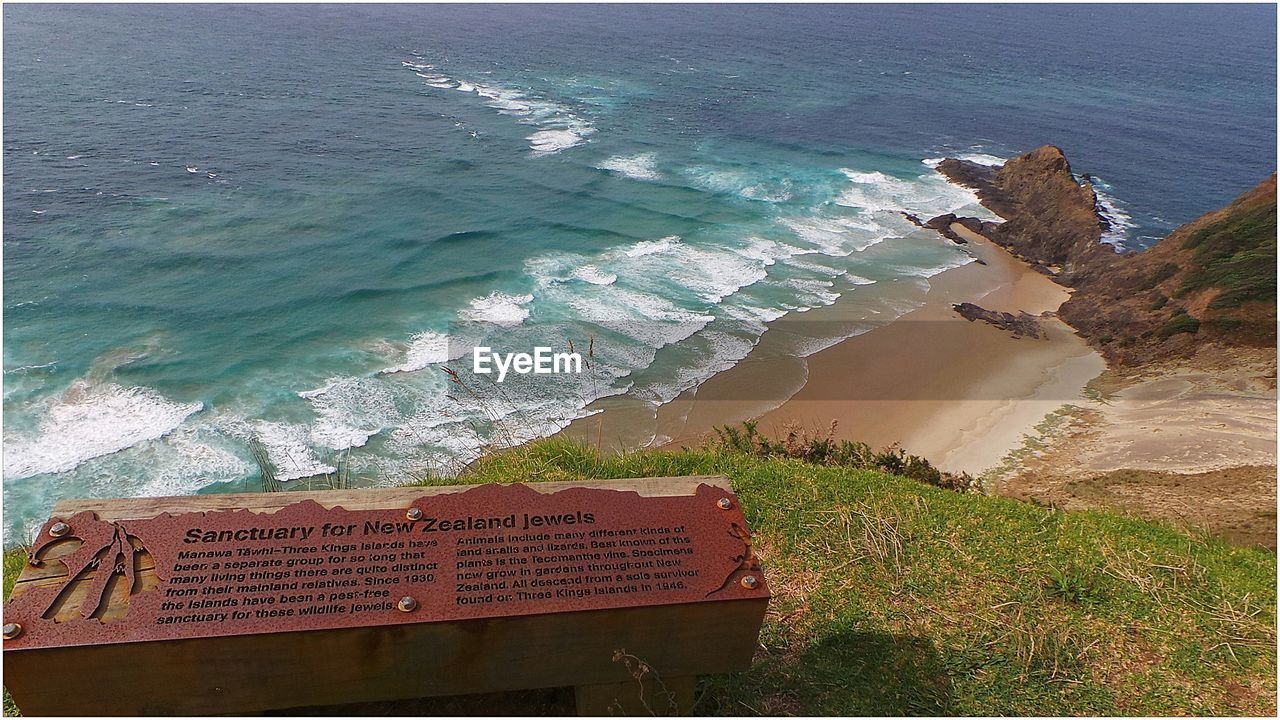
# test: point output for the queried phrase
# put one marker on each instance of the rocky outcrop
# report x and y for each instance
(1021, 325)
(1050, 218)
(1212, 281)
(943, 224)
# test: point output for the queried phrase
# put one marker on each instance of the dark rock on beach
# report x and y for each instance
(943, 224)
(1021, 325)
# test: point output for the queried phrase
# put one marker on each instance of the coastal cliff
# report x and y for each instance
(1210, 282)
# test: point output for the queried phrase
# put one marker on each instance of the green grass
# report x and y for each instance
(896, 597)
(14, 561)
(1159, 275)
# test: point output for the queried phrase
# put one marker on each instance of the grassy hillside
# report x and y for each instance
(896, 597)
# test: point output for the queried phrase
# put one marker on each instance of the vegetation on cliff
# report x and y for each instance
(1210, 281)
(1236, 254)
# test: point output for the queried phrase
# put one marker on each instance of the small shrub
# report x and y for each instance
(1159, 275)
(1181, 322)
(1074, 585)
(1159, 302)
(822, 449)
(1237, 255)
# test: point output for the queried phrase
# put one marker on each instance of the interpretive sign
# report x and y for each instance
(337, 572)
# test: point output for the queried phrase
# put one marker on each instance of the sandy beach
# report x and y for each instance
(960, 393)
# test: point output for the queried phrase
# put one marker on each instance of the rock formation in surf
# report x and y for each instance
(1211, 281)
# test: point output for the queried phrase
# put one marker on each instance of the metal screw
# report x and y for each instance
(407, 604)
(59, 529)
(750, 582)
(413, 513)
(724, 503)
(12, 630)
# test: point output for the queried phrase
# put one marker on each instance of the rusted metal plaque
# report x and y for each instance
(491, 551)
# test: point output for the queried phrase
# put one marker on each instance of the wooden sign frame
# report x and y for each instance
(249, 673)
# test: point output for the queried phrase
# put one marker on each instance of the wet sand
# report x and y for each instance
(959, 393)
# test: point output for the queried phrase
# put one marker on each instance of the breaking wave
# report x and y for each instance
(558, 125)
(88, 421)
(637, 167)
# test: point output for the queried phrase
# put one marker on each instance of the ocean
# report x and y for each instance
(230, 228)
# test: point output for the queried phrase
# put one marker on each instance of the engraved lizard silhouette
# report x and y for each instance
(106, 549)
(746, 559)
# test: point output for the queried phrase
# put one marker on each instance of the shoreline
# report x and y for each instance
(961, 394)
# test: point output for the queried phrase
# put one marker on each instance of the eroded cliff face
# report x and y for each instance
(1212, 281)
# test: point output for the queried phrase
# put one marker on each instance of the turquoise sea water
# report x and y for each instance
(227, 225)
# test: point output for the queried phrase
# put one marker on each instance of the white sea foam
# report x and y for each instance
(186, 460)
(499, 308)
(743, 183)
(711, 272)
(811, 293)
(351, 410)
(837, 236)
(806, 264)
(1119, 221)
(983, 159)
(558, 126)
(715, 274)
(813, 345)
(648, 318)
(954, 261)
(552, 140)
(425, 349)
(767, 252)
(720, 351)
(288, 448)
(89, 421)
(927, 195)
(637, 167)
(593, 275)
(977, 158)
(649, 247)
(439, 445)
(626, 304)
